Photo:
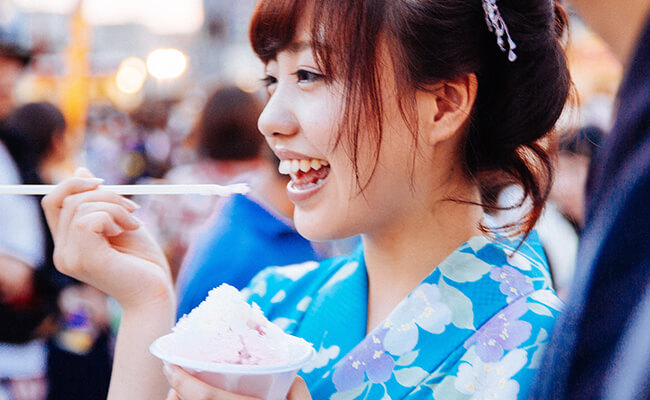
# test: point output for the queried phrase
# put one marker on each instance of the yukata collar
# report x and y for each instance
(423, 322)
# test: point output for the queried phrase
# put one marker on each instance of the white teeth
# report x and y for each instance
(305, 165)
(295, 166)
(287, 167)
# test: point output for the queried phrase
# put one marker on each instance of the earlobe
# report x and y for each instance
(449, 107)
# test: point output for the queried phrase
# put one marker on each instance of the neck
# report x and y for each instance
(619, 23)
(399, 258)
(410, 252)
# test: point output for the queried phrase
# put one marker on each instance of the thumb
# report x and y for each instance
(299, 390)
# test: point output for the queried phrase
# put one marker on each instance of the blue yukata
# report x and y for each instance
(475, 328)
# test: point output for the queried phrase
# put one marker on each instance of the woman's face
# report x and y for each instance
(301, 122)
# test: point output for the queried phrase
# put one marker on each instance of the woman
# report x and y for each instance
(393, 118)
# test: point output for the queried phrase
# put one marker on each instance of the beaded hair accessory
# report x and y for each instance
(497, 25)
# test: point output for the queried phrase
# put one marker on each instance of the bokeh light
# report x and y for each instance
(166, 63)
(131, 75)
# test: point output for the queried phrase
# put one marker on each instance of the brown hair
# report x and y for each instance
(227, 126)
(430, 41)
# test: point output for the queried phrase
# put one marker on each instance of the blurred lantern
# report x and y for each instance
(131, 75)
(166, 64)
(75, 85)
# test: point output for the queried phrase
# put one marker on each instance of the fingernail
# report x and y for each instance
(132, 203)
(95, 181)
(137, 220)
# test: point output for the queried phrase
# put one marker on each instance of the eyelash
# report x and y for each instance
(302, 76)
(268, 80)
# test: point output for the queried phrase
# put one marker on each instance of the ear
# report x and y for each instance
(445, 109)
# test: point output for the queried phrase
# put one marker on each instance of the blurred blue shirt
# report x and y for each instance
(244, 238)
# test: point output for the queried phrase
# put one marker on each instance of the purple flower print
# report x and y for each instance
(503, 332)
(368, 358)
(513, 282)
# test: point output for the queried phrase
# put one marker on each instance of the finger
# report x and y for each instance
(53, 202)
(299, 390)
(171, 395)
(100, 223)
(70, 204)
(188, 387)
(121, 216)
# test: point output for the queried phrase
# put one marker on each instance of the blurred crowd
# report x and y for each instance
(55, 333)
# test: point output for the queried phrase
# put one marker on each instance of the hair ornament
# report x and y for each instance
(497, 25)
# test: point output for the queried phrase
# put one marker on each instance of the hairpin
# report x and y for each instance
(497, 25)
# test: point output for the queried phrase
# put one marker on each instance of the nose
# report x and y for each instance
(277, 117)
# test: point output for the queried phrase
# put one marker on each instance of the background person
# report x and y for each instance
(228, 144)
(601, 347)
(22, 251)
(247, 234)
(79, 368)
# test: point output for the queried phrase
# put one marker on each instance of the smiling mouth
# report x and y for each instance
(305, 174)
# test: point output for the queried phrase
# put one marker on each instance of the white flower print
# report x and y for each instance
(485, 381)
(323, 356)
(296, 271)
(422, 308)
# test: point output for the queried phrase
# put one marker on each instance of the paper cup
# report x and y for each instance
(269, 382)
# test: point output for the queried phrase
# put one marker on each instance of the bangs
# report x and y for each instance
(344, 33)
(345, 38)
(273, 26)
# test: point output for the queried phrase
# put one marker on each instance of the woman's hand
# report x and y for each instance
(98, 241)
(186, 387)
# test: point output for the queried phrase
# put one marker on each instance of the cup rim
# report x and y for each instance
(242, 369)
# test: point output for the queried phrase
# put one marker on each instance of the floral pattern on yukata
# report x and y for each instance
(475, 328)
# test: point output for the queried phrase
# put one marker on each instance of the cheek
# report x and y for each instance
(320, 133)
(320, 120)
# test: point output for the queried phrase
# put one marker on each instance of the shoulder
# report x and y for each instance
(499, 259)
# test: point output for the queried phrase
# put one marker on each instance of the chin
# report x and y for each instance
(317, 229)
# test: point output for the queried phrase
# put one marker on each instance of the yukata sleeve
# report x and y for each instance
(501, 359)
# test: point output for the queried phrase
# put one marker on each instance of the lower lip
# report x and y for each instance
(300, 195)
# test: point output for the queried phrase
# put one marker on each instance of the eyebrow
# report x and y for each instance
(297, 47)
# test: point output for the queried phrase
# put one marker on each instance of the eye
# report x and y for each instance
(305, 76)
(269, 80)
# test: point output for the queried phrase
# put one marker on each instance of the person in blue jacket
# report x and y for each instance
(245, 235)
(601, 348)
